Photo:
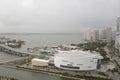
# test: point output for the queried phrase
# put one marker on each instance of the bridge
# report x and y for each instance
(14, 60)
(16, 52)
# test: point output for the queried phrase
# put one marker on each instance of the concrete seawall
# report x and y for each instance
(6, 78)
(65, 74)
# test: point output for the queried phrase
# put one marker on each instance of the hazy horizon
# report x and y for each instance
(57, 16)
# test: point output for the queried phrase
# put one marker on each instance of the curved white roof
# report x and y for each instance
(78, 53)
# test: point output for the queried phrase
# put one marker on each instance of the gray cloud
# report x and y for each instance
(57, 15)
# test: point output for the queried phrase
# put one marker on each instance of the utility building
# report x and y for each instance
(40, 62)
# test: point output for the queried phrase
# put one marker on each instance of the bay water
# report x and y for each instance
(36, 40)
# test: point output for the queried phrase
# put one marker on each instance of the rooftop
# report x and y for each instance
(78, 53)
(35, 59)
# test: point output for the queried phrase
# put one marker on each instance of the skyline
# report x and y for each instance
(57, 16)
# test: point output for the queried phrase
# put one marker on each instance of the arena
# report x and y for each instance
(77, 60)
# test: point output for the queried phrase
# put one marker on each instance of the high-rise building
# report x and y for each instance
(95, 35)
(103, 34)
(87, 35)
(118, 24)
(109, 34)
(117, 41)
(114, 35)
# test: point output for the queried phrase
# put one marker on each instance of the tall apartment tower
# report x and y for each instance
(87, 35)
(103, 35)
(117, 41)
(118, 24)
(114, 35)
(95, 35)
(109, 34)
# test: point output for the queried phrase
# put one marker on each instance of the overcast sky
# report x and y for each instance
(51, 16)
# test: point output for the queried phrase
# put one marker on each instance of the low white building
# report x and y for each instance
(39, 62)
(77, 60)
(70, 47)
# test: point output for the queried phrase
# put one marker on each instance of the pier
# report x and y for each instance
(16, 52)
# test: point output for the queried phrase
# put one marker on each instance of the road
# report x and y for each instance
(114, 57)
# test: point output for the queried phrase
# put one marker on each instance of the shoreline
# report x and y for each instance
(41, 71)
(55, 73)
(61, 73)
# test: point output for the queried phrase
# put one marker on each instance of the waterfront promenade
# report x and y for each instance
(13, 51)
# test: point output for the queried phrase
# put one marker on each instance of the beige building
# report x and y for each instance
(87, 35)
(95, 35)
(103, 35)
(39, 62)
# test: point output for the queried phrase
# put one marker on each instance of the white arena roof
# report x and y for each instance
(78, 53)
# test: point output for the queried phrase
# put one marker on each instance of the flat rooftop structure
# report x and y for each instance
(69, 46)
(77, 53)
(42, 60)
